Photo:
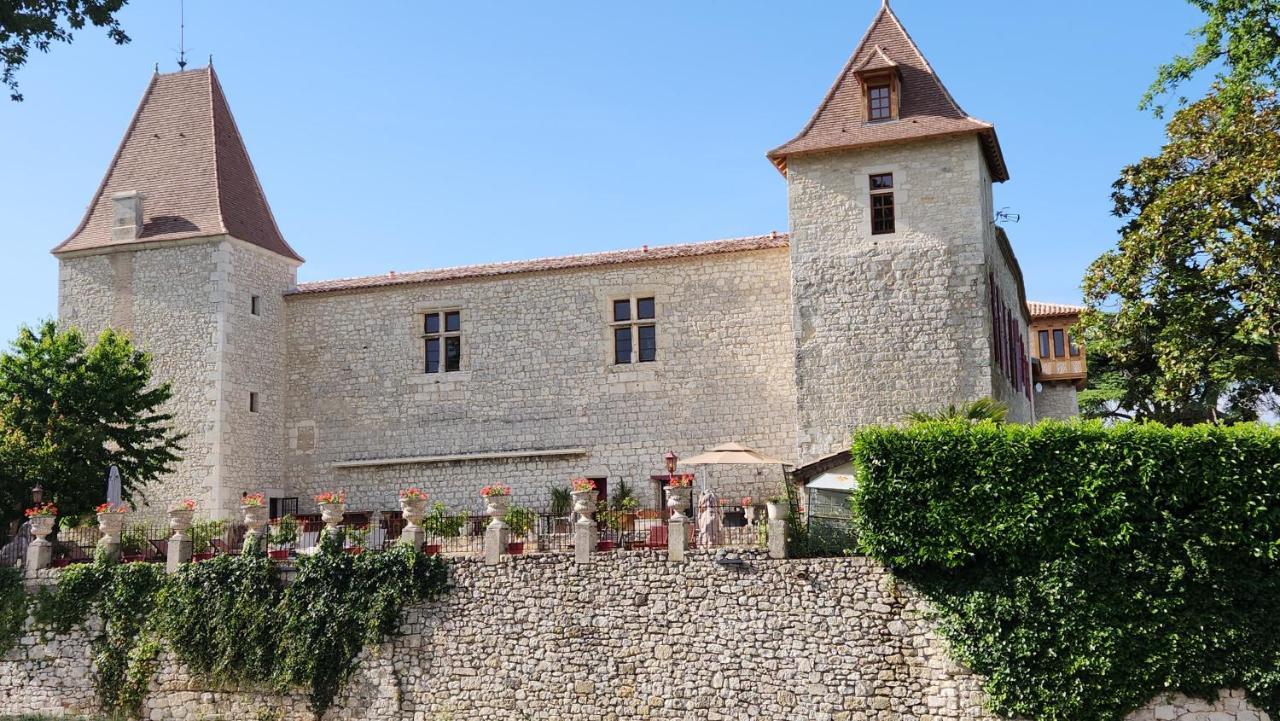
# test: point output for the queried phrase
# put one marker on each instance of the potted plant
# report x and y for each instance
(42, 518)
(614, 520)
(413, 506)
(111, 522)
(357, 537)
(333, 506)
(439, 524)
(180, 517)
(520, 520)
(133, 544)
(779, 507)
(679, 493)
(202, 535)
(497, 498)
(284, 533)
(584, 495)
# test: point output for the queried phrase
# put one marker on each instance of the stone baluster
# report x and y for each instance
(678, 499)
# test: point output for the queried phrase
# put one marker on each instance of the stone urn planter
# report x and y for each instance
(413, 510)
(41, 527)
(255, 517)
(180, 520)
(678, 499)
(496, 507)
(779, 510)
(110, 523)
(584, 504)
(332, 514)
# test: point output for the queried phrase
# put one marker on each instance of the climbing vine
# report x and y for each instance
(234, 621)
(13, 607)
(1081, 569)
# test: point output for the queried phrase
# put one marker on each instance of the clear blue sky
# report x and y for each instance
(399, 136)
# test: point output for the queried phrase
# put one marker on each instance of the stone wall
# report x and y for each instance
(159, 295)
(894, 323)
(630, 637)
(538, 376)
(1057, 400)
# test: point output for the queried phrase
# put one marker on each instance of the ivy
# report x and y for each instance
(232, 620)
(1083, 569)
(13, 607)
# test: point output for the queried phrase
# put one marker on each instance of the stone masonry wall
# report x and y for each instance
(630, 637)
(161, 297)
(894, 323)
(1057, 400)
(538, 375)
(1007, 287)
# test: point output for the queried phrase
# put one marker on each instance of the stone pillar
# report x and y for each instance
(496, 534)
(584, 529)
(677, 537)
(40, 552)
(778, 538)
(178, 550)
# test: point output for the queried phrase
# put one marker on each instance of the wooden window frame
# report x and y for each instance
(1042, 343)
(1059, 343)
(879, 195)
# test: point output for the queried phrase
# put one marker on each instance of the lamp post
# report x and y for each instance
(37, 494)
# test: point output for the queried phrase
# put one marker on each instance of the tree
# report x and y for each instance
(1240, 36)
(1195, 281)
(68, 412)
(983, 409)
(27, 24)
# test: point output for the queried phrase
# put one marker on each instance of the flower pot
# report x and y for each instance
(678, 499)
(202, 556)
(180, 522)
(413, 510)
(331, 514)
(779, 510)
(605, 545)
(431, 549)
(279, 555)
(516, 548)
(496, 506)
(354, 550)
(42, 526)
(110, 524)
(255, 517)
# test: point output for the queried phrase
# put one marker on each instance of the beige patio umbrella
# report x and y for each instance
(731, 453)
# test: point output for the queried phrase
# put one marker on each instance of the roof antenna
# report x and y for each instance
(182, 36)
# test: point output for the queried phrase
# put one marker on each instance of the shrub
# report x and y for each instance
(1081, 569)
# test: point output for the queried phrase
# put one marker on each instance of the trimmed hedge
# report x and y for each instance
(1083, 569)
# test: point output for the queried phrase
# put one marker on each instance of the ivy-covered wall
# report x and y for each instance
(1083, 570)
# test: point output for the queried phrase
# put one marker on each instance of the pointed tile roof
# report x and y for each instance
(183, 152)
(926, 109)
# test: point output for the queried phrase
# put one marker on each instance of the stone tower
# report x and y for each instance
(179, 248)
(906, 295)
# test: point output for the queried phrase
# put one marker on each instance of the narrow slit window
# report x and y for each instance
(253, 402)
(1044, 343)
(255, 305)
(1059, 343)
(883, 217)
(442, 341)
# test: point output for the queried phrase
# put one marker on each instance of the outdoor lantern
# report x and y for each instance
(37, 494)
(671, 459)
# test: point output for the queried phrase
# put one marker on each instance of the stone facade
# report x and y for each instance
(1057, 400)
(890, 324)
(538, 374)
(629, 637)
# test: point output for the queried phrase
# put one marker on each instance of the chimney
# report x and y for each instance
(127, 215)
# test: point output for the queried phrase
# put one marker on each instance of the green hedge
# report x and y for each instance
(1082, 570)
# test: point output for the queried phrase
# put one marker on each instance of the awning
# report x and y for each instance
(840, 478)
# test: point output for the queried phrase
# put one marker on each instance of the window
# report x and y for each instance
(280, 507)
(882, 217)
(1059, 343)
(253, 402)
(255, 305)
(878, 103)
(635, 332)
(1044, 343)
(1071, 344)
(442, 339)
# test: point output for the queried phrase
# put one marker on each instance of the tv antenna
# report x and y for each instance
(182, 36)
(1004, 216)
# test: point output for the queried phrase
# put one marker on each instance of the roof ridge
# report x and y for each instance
(111, 167)
(217, 167)
(562, 262)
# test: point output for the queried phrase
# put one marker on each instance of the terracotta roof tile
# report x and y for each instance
(589, 260)
(183, 151)
(1050, 310)
(926, 109)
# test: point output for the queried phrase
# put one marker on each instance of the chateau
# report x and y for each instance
(894, 291)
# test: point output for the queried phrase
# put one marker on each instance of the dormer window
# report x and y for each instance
(879, 106)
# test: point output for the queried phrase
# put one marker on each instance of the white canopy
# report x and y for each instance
(731, 453)
(840, 478)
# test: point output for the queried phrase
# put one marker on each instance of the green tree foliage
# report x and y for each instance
(983, 409)
(1242, 37)
(1195, 281)
(28, 24)
(70, 411)
(1080, 569)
